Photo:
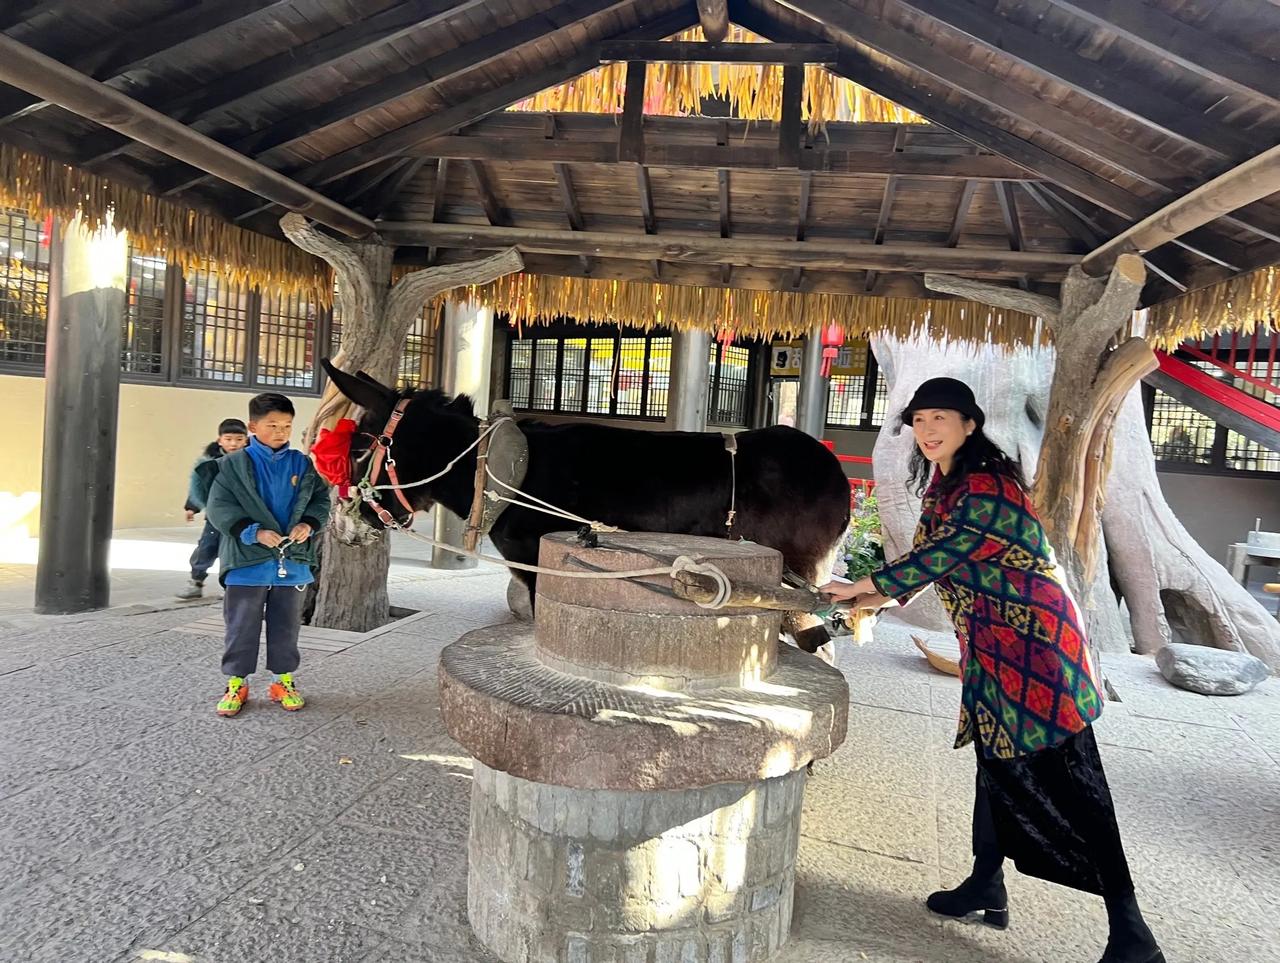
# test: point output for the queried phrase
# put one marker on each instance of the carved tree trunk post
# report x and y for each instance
(376, 318)
(1090, 380)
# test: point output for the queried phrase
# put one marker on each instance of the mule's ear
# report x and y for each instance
(365, 392)
(462, 405)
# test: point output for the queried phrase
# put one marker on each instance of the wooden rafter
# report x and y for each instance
(726, 220)
(1189, 47)
(265, 141)
(111, 62)
(1146, 104)
(802, 221)
(645, 192)
(1008, 202)
(732, 155)
(834, 255)
(195, 105)
(30, 70)
(439, 192)
(986, 88)
(875, 76)
(394, 185)
(789, 130)
(886, 204)
(572, 210)
(494, 209)
(21, 11)
(962, 212)
(631, 128)
(679, 51)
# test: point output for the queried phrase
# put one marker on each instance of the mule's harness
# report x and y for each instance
(381, 457)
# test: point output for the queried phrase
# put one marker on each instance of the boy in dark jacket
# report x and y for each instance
(267, 502)
(232, 436)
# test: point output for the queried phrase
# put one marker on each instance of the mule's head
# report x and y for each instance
(431, 432)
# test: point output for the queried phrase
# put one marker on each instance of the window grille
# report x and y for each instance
(142, 341)
(286, 343)
(24, 290)
(215, 329)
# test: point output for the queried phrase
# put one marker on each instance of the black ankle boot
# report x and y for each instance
(1130, 939)
(983, 894)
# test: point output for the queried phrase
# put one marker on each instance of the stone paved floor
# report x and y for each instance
(136, 825)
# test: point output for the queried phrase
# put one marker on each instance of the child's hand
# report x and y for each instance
(268, 538)
(300, 533)
(190, 515)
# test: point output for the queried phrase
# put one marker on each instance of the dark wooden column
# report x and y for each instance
(82, 398)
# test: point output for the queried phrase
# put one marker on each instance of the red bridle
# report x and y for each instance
(382, 457)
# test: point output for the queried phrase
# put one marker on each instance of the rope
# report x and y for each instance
(541, 506)
(440, 474)
(724, 588)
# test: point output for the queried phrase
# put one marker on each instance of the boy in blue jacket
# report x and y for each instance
(267, 502)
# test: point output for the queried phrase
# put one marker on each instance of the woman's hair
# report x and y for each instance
(978, 453)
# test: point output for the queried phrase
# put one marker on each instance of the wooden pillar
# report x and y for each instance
(467, 358)
(811, 410)
(690, 380)
(82, 398)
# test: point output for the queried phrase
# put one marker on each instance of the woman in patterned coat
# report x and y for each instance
(1029, 689)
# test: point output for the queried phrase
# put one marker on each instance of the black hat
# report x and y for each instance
(946, 393)
(232, 426)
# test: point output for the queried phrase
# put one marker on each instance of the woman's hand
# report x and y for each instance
(872, 601)
(848, 591)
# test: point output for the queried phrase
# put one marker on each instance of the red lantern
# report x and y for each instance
(832, 339)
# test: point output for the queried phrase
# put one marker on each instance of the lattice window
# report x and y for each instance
(573, 374)
(1245, 455)
(418, 362)
(24, 290)
(659, 397)
(142, 341)
(729, 388)
(542, 393)
(521, 358)
(630, 384)
(215, 329)
(879, 401)
(600, 375)
(287, 329)
(1179, 434)
(844, 401)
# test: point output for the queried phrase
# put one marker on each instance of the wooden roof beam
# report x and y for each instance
(18, 12)
(990, 90)
(726, 220)
(394, 186)
(962, 212)
(496, 212)
(572, 210)
(840, 255)
(819, 158)
(713, 15)
(1251, 181)
(886, 205)
(301, 124)
(192, 106)
(1008, 202)
(111, 62)
(30, 70)
(645, 191)
(802, 221)
(1146, 104)
(1189, 47)
(438, 193)
(679, 51)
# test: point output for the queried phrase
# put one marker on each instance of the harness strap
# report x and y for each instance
(382, 455)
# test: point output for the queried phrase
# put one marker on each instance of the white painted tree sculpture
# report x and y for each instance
(376, 318)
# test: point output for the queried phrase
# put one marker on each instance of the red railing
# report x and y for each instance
(866, 485)
(1241, 355)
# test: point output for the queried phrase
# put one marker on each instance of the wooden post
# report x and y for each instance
(631, 136)
(82, 398)
(789, 129)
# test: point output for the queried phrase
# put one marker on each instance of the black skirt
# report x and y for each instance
(1054, 817)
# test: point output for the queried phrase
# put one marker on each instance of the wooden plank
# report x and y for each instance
(866, 71)
(494, 210)
(349, 40)
(1146, 104)
(751, 252)
(410, 136)
(438, 199)
(802, 222)
(962, 212)
(732, 156)
(1191, 48)
(645, 190)
(1009, 213)
(789, 130)
(572, 210)
(394, 186)
(679, 51)
(726, 220)
(631, 130)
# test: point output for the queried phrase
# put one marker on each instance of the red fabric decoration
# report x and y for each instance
(331, 453)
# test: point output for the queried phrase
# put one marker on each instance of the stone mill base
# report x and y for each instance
(604, 876)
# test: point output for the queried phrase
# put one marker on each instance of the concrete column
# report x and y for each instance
(466, 352)
(82, 399)
(690, 380)
(811, 411)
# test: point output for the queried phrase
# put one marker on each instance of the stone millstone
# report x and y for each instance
(1208, 671)
(640, 762)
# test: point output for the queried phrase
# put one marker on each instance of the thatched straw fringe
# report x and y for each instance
(678, 89)
(1240, 303)
(40, 186)
(532, 299)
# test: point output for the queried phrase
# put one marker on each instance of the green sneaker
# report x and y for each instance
(286, 693)
(235, 697)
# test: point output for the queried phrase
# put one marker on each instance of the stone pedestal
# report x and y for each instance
(640, 763)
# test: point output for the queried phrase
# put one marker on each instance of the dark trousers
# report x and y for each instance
(205, 554)
(243, 609)
(1051, 813)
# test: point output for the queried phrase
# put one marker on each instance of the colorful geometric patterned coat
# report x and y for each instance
(1028, 681)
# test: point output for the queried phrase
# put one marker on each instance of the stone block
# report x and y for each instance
(575, 871)
(1210, 671)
